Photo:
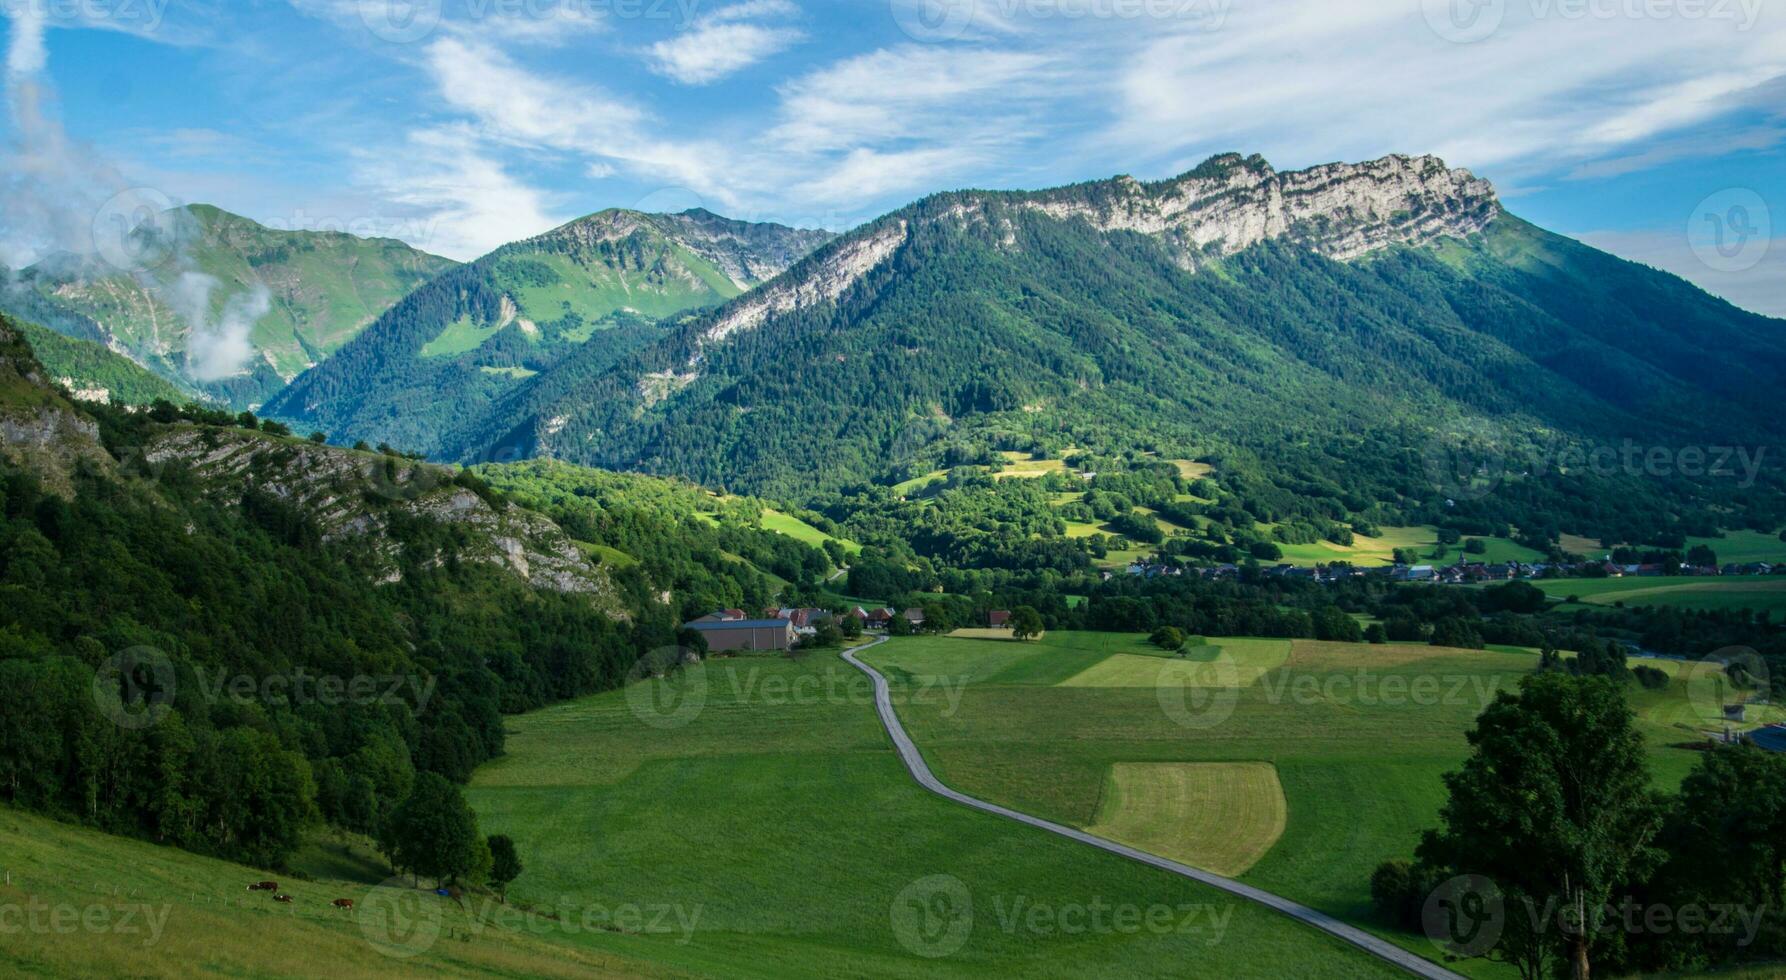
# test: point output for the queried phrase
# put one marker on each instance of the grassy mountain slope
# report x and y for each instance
(597, 286)
(322, 289)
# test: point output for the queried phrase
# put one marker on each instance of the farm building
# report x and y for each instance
(745, 634)
(999, 619)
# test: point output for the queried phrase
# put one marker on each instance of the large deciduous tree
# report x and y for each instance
(1554, 806)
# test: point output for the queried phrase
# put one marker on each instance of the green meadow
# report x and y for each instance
(1357, 737)
(749, 818)
(1761, 593)
(777, 808)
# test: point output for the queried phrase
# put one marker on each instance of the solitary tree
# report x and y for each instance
(434, 833)
(505, 865)
(1554, 806)
(1026, 623)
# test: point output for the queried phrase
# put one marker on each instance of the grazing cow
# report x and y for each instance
(264, 886)
(345, 904)
(284, 899)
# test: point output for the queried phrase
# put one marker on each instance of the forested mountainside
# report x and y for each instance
(95, 373)
(149, 560)
(598, 287)
(1289, 326)
(219, 304)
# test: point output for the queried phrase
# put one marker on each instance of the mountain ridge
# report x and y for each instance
(1241, 309)
(600, 284)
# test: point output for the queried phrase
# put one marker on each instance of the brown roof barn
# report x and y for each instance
(746, 634)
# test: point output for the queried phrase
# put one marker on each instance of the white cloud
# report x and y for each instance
(25, 53)
(1314, 80)
(516, 105)
(725, 42)
(468, 202)
(914, 92)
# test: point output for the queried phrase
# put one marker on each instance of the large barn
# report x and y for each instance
(746, 634)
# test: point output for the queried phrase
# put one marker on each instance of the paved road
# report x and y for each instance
(914, 763)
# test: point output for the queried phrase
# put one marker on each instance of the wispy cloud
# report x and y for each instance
(466, 198)
(726, 41)
(1322, 79)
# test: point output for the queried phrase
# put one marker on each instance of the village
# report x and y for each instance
(1460, 573)
(783, 628)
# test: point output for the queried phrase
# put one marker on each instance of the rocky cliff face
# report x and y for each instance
(1341, 210)
(40, 429)
(1226, 205)
(354, 496)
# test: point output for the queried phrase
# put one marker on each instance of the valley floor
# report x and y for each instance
(750, 817)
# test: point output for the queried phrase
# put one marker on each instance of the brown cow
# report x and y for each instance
(264, 886)
(286, 899)
(345, 904)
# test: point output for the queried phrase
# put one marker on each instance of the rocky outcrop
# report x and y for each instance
(1228, 204)
(354, 496)
(825, 280)
(1341, 210)
(40, 429)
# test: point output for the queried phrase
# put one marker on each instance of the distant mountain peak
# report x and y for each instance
(746, 252)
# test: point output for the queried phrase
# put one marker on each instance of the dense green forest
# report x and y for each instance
(190, 659)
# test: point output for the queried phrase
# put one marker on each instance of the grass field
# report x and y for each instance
(799, 530)
(84, 904)
(780, 811)
(1381, 550)
(1757, 592)
(1220, 816)
(1359, 737)
(1735, 546)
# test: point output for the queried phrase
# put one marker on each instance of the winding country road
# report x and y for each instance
(914, 763)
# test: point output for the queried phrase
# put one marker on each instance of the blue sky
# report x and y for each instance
(1653, 128)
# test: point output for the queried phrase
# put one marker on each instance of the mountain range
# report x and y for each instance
(1234, 310)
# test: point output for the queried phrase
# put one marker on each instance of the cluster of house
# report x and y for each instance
(780, 627)
(1461, 573)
